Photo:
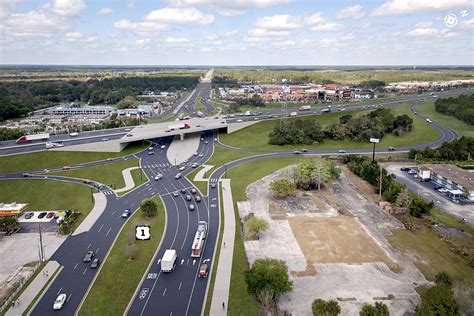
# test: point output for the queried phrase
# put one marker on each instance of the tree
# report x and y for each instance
(379, 309)
(325, 308)
(419, 207)
(268, 274)
(438, 300)
(444, 278)
(312, 173)
(282, 188)
(8, 223)
(256, 225)
(149, 207)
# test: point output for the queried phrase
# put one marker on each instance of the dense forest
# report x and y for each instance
(21, 97)
(461, 149)
(461, 107)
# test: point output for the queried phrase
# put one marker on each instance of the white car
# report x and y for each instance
(163, 146)
(239, 121)
(59, 302)
(158, 176)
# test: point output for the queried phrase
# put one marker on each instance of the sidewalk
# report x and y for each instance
(33, 289)
(100, 203)
(224, 269)
(127, 177)
(200, 175)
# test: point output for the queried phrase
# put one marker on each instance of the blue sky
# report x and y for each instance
(237, 32)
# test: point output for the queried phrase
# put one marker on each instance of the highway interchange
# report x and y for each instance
(180, 292)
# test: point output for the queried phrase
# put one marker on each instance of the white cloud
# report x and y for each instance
(231, 7)
(400, 7)
(278, 22)
(284, 44)
(430, 32)
(177, 40)
(426, 24)
(466, 24)
(142, 42)
(318, 23)
(206, 49)
(6, 6)
(33, 25)
(222, 36)
(179, 16)
(141, 28)
(266, 33)
(352, 12)
(79, 37)
(66, 7)
(105, 11)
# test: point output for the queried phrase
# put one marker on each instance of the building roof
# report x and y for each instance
(11, 209)
(454, 173)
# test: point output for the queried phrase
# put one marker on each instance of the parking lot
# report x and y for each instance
(463, 210)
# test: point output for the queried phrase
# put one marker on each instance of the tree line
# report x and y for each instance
(461, 149)
(375, 124)
(21, 97)
(461, 107)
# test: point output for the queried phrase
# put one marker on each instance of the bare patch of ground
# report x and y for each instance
(337, 240)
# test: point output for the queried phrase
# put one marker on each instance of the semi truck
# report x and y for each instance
(178, 126)
(198, 243)
(168, 261)
(29, 138)
(305, 108)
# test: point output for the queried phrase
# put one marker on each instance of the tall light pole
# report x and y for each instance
(374, 141)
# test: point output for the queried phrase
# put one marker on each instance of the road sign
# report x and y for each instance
(374, 140)
(142, 232)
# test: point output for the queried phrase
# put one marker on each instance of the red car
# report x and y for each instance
(203, 270)
(50, 214)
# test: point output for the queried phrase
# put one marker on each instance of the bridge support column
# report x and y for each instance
(181, 136)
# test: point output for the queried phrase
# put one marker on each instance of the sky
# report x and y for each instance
(237, 32)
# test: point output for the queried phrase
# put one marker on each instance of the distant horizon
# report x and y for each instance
(241, 65)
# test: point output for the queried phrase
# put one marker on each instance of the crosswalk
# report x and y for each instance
(108, 192)
(160, 165)
(214, 180)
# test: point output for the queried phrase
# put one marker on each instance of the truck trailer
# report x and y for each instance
(305, 108)
(168, 261)
(178, 126)
(28, 138)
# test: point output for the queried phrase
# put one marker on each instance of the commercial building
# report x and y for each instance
(459, 182)
(12, 209)
(86, 110)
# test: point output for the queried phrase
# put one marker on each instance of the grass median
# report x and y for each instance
(48, 195)
(255, 137)
(107, 174)
(427, 108)
(54, 159)
(120, 275)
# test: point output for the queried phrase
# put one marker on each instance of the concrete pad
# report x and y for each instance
(238, 126)
(200, 175)
(33, 289)
(180, 150)
(100, 202)
(100, 146)
(20, 249)
(127, 177)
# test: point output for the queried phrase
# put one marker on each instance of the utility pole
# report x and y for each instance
(380, 185)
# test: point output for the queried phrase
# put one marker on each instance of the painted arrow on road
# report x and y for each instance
(159, 260)
(206, 260)
(182, 261)
(194, 261)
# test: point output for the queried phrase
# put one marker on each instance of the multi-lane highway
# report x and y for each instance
(180, 292)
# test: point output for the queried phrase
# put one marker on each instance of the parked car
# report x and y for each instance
(126, 213)
(88, 257)
(191, 207)
(95, 263)
(50, 215)
(203, 270)
(42, 214)
(59, 302)
(405, 169)
(437, 187)
(29, 215)
(411, 171)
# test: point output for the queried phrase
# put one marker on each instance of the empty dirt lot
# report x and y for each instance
(338, 239)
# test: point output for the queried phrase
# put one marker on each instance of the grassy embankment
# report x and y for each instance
(109, 174)
(256, 136)
(120, 275)
(198, 106)
(48, 195)
(54, 159)
(427, 108)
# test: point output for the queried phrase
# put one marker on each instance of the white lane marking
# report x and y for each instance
(101, 228)
(108, 231)
(164, 292)
(180, 283)
(75, 266)
(89, 246)
(69, 298)
(113, 212)
(59, 291)
(97, 251)
(84, 271)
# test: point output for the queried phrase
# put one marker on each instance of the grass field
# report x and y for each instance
(432, 255)
(198, 106)
(240, 302)
(427, 108)
(107, 174)
(48, 195)
(256, 136)
(120, 275)
(52, 159)
(451, 221)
